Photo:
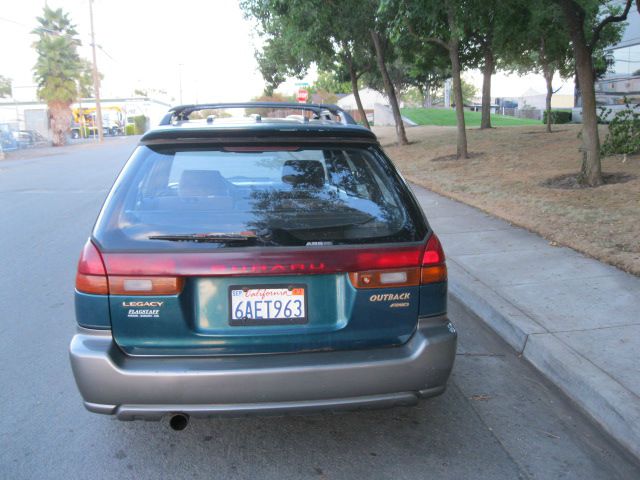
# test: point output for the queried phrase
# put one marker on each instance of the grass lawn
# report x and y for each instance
(447, 118)
(505, 177)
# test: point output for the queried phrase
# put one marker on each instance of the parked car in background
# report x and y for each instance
(260, 265)
(7, 141)
(29, 138)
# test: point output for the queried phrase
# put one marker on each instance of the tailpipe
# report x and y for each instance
(179, 421)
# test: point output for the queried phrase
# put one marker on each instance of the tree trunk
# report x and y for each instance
(487, 71)
(391, 92)
(356, 92)
(591, 171)
(356, 95)
(454, 57)
(548, 71)
(428, 100)
(60, 122)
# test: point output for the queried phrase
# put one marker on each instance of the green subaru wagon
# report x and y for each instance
(262, 263)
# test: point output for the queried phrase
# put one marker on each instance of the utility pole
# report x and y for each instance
(96, 78)
(180, 80)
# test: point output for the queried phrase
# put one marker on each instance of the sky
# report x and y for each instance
(205, 45)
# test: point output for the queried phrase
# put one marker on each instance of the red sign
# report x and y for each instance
(303, 94)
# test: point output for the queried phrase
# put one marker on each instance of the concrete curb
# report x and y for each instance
(614, 408)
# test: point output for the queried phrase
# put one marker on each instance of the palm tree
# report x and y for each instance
(58, 68)
(5, 86)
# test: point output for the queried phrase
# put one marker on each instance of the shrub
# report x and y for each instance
(623, 137)
(140, 123)
(557, 116)
(130, 129)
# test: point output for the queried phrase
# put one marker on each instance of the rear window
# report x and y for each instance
(179, 197)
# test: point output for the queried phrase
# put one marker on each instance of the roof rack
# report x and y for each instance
(321, 111)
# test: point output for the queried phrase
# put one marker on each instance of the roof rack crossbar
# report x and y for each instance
(182, 112)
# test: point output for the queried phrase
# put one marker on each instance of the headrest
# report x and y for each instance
(304, 173)
(202, 183)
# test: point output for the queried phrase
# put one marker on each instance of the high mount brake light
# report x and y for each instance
(263, 148)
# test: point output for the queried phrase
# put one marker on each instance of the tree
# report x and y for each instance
(440, 22)
(490, 27)
(381, 46)
(586, 25)
(347, 36)
(541, 44)
(331, 38)
(5, 87)
(295, 39)
(277, 60)
(58, 68)
(423, 65)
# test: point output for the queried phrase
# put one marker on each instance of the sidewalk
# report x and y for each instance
(575, 319)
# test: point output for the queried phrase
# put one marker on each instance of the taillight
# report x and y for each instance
(91, 276)
(434, 269)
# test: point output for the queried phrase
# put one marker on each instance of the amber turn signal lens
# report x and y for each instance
(434, 274)
(149, 286)
(93, 284)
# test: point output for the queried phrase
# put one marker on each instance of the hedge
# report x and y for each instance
(557, 116)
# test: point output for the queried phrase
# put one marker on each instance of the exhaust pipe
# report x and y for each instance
(179, 421)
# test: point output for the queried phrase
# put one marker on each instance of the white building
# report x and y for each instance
(368, 97)
(34, 115)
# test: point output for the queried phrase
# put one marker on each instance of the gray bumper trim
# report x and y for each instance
(132, 387)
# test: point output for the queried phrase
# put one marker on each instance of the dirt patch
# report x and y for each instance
(507, 180)
(544, 132)
(448, 158)
(572, 180)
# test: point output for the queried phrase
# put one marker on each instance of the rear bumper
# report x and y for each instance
(149, 387)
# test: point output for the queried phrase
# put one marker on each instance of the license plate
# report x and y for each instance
(268, 305)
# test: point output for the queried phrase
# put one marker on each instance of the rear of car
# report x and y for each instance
(260, 268)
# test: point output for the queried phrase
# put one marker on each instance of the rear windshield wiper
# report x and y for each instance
(206, 237)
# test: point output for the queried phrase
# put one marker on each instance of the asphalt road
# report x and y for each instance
(497, 420)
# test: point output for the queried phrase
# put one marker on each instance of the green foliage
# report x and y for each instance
(5, 86)
(58, 67)
(85, 80)
(329, 82)
(413, 97)
(541, 41)
(624, 132)
(141, 124)
(334, 35)
(130, 129)
(468, 91)
(557, 116)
